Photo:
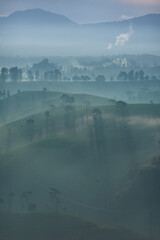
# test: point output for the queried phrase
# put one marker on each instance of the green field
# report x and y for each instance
(93, 151)
(59, 226)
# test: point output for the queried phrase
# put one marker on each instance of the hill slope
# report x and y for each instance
(41, 226)
(88, 153)
(30, 102)
(142, 199)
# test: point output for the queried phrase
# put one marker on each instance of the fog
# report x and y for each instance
(79, 128)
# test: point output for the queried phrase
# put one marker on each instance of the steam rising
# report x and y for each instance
(109, 46)
(122, 38)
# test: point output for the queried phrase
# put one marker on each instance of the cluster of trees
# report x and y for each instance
(43, 71)
(13, 74)
(86, 78)
(135, 76)
(52, 75)
(16, 74)
(83, 78)
(25, 199)
(4, 94)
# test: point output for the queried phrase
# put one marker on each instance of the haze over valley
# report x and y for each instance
(79, 121)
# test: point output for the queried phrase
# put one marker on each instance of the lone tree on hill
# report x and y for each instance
(98, 128)
(54, 195)
(122, 107)
(47, 115)
(87, 103)
(52, 113)
(30, 128)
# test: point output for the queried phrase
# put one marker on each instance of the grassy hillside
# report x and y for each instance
(142, 198)
(26, 103)
(72, 155)
(41, 226)
(87, 152)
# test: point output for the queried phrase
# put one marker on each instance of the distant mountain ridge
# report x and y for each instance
(42, 33)
(145, 19)
(43, 16)
(36, 16)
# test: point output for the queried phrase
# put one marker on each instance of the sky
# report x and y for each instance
(85, 11)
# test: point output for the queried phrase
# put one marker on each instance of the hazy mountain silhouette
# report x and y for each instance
(146, 20)
(57, 34)
(36, 16)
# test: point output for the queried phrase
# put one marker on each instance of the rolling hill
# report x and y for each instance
(25, 103)
(60, 227)
(142, 198)
(88, 153)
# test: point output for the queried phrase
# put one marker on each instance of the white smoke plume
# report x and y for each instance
(109, 46)
(122, 38)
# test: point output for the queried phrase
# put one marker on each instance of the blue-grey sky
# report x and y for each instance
(85, 11)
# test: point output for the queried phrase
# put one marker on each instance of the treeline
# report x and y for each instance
(46, 71)
(136, 76)
(43, 71)
(13, 74)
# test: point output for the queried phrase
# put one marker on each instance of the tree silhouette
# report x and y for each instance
(85, 78)
(98, 128)
(4, 74)
(76, 78)
(123, 76)
(32, 207)
(30, 75)
(47, 115)
(141, 75)
(52, 113)
(136, 76)
(37, 75)
(8, 93)
(122, 107)
(87, 103)
(54, 195)
(65, 98)
(69, 117)
(57, 74)
(131, 75)
(100, 79)
(15, 74)
(30, 128)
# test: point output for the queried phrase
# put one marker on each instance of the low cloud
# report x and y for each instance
(124, 17)
(121, 39)
(144, 122)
